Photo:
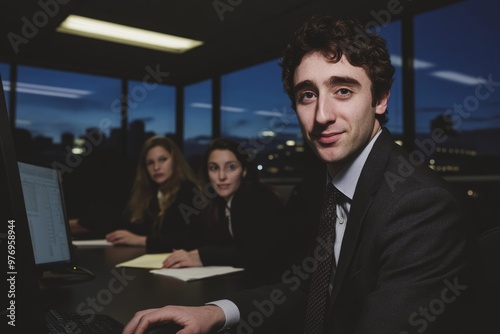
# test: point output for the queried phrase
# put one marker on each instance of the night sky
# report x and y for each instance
(456, 51)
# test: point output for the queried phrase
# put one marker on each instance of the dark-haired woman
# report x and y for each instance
(244, 216)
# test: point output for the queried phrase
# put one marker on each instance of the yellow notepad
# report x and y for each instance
(147, 261)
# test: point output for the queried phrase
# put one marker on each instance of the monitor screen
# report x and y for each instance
(43, 198)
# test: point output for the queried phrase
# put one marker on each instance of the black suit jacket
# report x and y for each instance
(406, 262)
(257, 217)
(180, 227)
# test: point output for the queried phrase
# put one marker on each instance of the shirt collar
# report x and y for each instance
(347, 179)
(228, 203)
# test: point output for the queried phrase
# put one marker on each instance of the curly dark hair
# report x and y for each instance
(335, 38)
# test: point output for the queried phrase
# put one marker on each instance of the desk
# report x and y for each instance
(120, 292)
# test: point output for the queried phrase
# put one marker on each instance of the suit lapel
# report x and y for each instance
(361, 202)
(368, 182)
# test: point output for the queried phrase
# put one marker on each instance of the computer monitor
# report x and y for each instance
(44, 202)
(49, 226)
(21, 309)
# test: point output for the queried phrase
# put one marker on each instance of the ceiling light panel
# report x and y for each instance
(117, 33)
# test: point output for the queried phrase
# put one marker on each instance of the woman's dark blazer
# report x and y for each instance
(257, 216)
(406, 261)
(179, 229)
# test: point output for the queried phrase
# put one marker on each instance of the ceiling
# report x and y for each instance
(240, 33)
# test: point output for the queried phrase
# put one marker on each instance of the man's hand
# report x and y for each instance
(195, 320)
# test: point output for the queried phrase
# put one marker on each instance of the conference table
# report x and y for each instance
(121, 291)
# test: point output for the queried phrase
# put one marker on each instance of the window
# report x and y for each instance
(4, 71)
(151, 111)
(256, 112)
(392, 34)
(197, 120)
(457, 88)
(61, 113)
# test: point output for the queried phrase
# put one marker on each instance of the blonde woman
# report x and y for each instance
(164, 187)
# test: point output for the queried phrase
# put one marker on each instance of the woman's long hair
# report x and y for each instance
(145, 189)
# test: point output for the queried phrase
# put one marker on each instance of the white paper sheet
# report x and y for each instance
(195, 273)
(91, 243)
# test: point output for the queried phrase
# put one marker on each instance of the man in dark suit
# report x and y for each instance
(399, 257)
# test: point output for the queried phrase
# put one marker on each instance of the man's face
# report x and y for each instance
(334, 108)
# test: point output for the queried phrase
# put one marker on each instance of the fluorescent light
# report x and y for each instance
(459, 77)
(79, 92)
(112, 32)
(47, 90)
(23, 122)
(47, 93)
(223, 108)
(269, 113)
(201, 105)
(418, 64)
(232, 109)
